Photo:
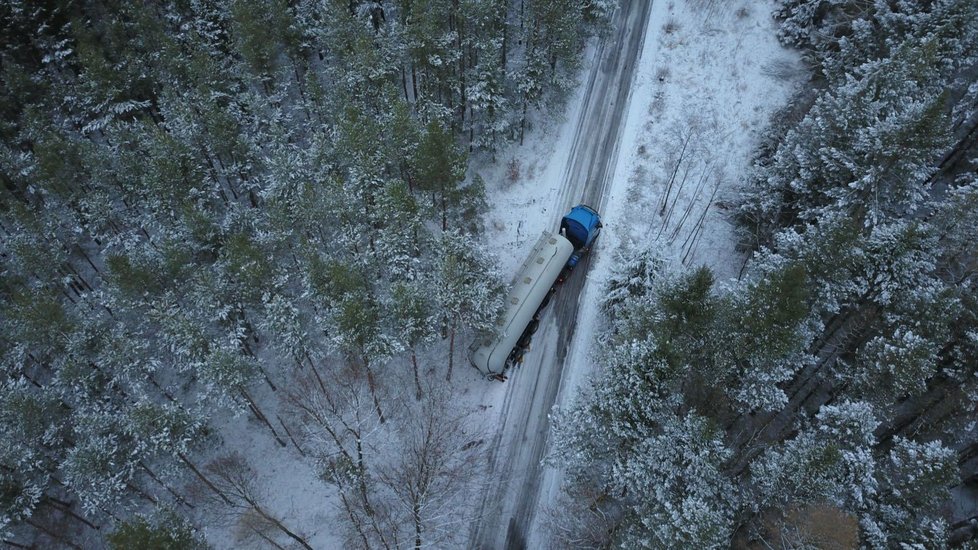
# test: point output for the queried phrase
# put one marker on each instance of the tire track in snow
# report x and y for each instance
(511, 494)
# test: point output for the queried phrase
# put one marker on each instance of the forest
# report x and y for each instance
(250, 208)
(826, 399)
(263, 210)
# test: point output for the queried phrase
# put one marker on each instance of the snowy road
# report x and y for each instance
(511, 496)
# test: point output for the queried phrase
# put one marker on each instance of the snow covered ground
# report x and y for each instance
(708, 74)
(709, 77)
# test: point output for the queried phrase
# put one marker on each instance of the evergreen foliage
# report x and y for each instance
(167, 532)
(837, 378)
(199, 198)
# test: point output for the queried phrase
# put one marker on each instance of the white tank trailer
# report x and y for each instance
(550, 262)
(529, 293)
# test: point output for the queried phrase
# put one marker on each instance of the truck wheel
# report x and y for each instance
(548, 297)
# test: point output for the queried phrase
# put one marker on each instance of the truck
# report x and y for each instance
(550, 262)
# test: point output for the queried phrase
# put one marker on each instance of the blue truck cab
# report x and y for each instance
(580, 226)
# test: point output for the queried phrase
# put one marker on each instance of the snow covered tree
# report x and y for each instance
(873, 138)
(643, 433)
(35, 430)
(905, 355)
(489, 103)
(288, 327)
(354, 319)
(764, 329)
(625, 405)
(811, 23)
(338, 429)
(680, 498)
(831, 461)
(400, 244)
(439, 463)
(633, 280)
(862, 193)
(167, 531)
(244, 268)
(468, 292)
(261, 32)
(742, 342)
(236, 480)
(863, 148)
(915, 484)
(415, 315)
(98, 466)
(439, 168)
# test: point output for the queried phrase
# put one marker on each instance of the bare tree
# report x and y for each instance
(236, 480)
(582, 518)
(438, 462)
(337, 424)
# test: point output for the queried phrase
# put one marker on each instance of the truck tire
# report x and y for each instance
(547, 298)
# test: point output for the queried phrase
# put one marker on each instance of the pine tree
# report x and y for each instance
(915, 484)
(261, 32)
(682, 498)
(830, 461)
(469, 294)
(440, 168)
(766, 334)
(414, 314)
(35, 428)
(168, 531)
(489, 103)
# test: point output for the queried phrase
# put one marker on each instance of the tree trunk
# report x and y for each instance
(444, 208)
(356, 522)
(459, 44)
(206, 481)
(261, 416)
(266, 538)
(289, 433)
(362, 478)
(407, 98)
(66, 509)
(315, 373)
(416, 512)
(88, 259)
(250, 353)
(417, 380)
(274, 521)
(40, 527)
(523, 120)
(169, 489)
(373, 391)
(139, 491)
(451, 351)
(414, 85)
(504, 51)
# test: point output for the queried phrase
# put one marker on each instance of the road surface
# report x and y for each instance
(511, 494)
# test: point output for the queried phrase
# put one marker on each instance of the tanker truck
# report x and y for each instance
(550, 262)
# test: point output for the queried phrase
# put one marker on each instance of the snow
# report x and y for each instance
(287, 482)
(711, 71)
(524, 184)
